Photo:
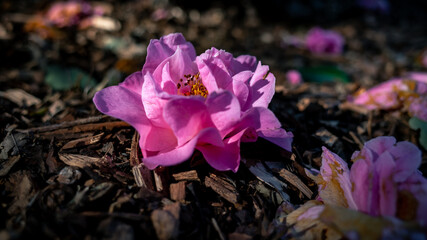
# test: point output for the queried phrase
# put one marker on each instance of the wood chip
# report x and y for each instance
(160, 180)
(143, 176)
(221, 186)
(165, 223)
(294, 180)
(186, 176)
(83, 141)
(51, 161)
(7, 164)
(134, 151)
(260, 172)
(20, 97)
(177, 191)
(77, 160)
(325, 136)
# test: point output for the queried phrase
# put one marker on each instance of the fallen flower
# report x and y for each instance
(384, 181)
(180, 102)
(408, 93)
(320, 41)
(62, 15)
(383, 178)
(66, 14)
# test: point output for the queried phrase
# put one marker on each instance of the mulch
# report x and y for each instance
(68, 172)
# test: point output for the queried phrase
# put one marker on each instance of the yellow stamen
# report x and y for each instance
(192, 86)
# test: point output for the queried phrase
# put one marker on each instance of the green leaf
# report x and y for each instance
(61, 78)
(416, 123)
(323, 74)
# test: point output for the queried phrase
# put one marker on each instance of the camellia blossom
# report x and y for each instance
(408, 93)
(383, 181)
(320, 41)
(180, 102)
(384, 192)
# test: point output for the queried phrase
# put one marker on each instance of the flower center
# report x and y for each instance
(192, 86)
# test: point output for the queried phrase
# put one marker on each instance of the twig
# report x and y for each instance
(84, 128)
(356, 139)
(63, 125)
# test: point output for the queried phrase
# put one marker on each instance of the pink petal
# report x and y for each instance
(214, 66)
(133, 82)
(418, 76)
(184, 152)
(186, 117)
(407, 157)
(266, 125)
(159, 50)
(279, 137)
(153, 103)
(224, 109)
(361, 178)
(158, 139)
(384, 167)
(417, 185)
(121, 103)
(262, 86)
(222, 158)
(179, 64)
(245, 62)
(241, 91)
(379, 145)
(241, 88)
(382, 96)
(335, 169)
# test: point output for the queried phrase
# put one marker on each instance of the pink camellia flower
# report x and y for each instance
(320, 41)
(67, 14)
(180, 102)
(294, 77)
(383, 181)
(409, 93)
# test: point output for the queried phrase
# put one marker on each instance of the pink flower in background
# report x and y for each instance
(383, 181)
(294, 77)
(409, 92)
(180, 102)
(320, 41)
(66, 14)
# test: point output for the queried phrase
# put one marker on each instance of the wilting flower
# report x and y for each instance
(407, 93)
(320, 41)
(180, 102)
(294, 77)
(63, 15)
(383, 181)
